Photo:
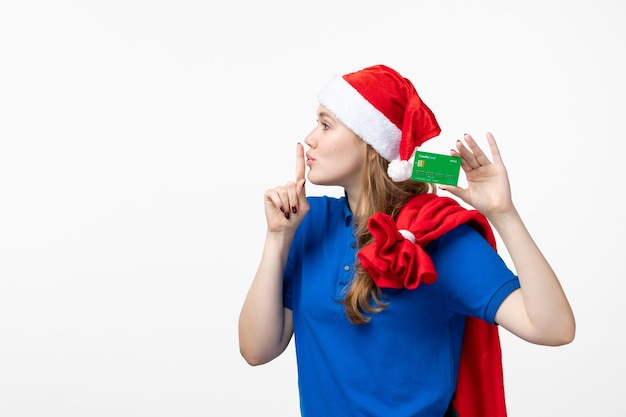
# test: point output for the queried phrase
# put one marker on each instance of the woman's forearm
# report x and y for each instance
(550, 317)
(264, 329)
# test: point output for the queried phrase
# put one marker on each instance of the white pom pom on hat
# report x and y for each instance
(383, 108)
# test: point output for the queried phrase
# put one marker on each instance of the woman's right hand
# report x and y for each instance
(286, 206)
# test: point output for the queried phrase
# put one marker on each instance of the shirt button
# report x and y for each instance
(346, 268)
(353, 245)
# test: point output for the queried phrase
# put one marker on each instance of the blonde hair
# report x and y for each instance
(379, 194)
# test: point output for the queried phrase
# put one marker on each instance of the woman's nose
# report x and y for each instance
(310, 138)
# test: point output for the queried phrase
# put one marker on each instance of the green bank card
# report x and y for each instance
(433, 167)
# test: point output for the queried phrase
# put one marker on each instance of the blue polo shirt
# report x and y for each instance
(404, 362)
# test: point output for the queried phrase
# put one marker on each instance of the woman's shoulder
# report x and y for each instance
(465, 245)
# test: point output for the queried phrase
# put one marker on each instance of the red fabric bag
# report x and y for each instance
(393, 260)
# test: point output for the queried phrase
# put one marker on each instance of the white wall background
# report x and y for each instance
(137, 139)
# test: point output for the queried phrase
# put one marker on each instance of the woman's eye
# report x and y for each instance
(325, 126)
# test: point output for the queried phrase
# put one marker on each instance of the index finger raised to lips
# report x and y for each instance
(300, 166)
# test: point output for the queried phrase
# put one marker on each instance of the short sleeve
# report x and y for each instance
(472, 277)
(288, 282)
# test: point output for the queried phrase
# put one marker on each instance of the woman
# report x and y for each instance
(394, 293)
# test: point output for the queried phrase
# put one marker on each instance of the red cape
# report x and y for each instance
(394, 261)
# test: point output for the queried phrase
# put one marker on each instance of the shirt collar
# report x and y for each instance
(346, 210)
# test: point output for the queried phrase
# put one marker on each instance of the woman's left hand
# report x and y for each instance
(488, 188)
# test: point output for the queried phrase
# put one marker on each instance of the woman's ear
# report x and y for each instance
(371, 153)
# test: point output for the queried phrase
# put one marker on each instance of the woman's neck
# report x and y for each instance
(353, 200)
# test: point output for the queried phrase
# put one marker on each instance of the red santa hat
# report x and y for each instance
(383, 108)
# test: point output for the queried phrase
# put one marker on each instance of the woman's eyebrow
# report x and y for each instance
(325, 114)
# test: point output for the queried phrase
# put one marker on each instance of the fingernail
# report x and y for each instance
(282, 209)
(287, 214)
(294, 209)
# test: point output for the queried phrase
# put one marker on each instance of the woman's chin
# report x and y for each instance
(312, 179)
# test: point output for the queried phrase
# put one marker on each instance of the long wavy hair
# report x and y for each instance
(378, 194)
